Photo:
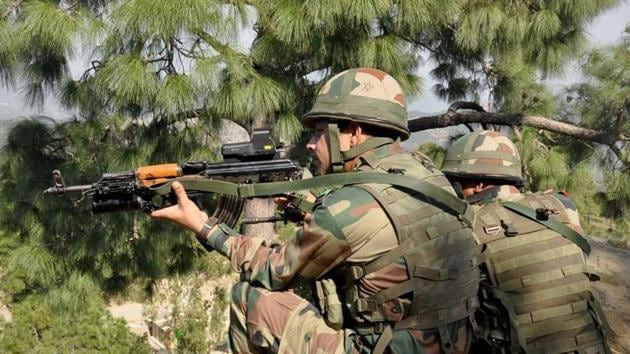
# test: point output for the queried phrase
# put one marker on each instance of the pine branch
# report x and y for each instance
(217, 45)
(518, 119)
(12, 8)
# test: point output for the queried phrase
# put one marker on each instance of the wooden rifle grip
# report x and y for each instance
(154, 174)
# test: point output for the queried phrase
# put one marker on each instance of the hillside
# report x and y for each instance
(615, 299)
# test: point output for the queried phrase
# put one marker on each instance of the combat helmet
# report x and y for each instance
(483, 154)
(363, 95)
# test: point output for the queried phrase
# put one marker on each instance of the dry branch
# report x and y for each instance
(453, 117)
(513, 119)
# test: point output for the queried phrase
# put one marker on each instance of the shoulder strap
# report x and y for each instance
(426, 191)
(552, 224)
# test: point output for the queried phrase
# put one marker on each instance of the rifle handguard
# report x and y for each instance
(203, 234)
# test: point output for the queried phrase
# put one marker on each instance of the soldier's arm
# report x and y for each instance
(343, 220)
(316, 248)
(344, 225)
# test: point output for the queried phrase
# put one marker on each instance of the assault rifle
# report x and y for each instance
(258, 161)
(246, 171)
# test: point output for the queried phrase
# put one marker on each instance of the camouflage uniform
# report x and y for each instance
(351, 227)
(537, 275)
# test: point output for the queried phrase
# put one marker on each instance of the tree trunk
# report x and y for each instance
(259, 207)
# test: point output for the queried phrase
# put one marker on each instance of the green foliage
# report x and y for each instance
(176, 96)
(189, 322)
(480, 20)
(288, 128)
(475, 46)
(434, 152)
(126, 81)
(163, 73)
(601, 103)
(46, 40)
(192, 324)
(164, 19)
(7, 52)
(37, 265)
(71, 318)
(10, 282)
(618, 195)
(58, 238)
(322, 38)
(220, 303)
(47, 26)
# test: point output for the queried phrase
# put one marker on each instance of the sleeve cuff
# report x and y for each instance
(218, 237)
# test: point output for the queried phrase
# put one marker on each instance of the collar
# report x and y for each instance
(501, 193)
(371, 157)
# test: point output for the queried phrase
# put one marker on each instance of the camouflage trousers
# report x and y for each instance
(263, 321)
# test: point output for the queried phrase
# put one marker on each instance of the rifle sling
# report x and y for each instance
(427, 192)
(552, 224)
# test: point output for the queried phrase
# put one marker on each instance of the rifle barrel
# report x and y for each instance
(62, 190)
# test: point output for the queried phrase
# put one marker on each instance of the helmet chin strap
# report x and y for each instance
(371, 143)
(338, 157)
(336, 160)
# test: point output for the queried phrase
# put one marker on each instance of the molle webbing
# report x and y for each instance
(539, 275)
(439, 253)
(551, 223)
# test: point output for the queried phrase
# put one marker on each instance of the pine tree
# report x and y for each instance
(603, 102)
(496, 50)
(69, 319)
(162, 75)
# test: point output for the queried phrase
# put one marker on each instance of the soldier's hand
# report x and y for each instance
(185, 213)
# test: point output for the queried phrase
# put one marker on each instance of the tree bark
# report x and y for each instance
(259, 207)
(511, 119)
(452, 117)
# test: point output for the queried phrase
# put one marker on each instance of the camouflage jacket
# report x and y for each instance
(347, 226)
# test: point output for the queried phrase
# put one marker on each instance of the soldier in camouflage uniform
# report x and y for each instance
(396, 273)
(535, 291)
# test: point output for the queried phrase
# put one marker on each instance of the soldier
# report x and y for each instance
(394, 271)
(535, 293)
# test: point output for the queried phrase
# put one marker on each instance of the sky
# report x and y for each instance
(604, 30)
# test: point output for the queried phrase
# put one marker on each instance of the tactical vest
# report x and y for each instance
(539, 276)
(437, 248)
